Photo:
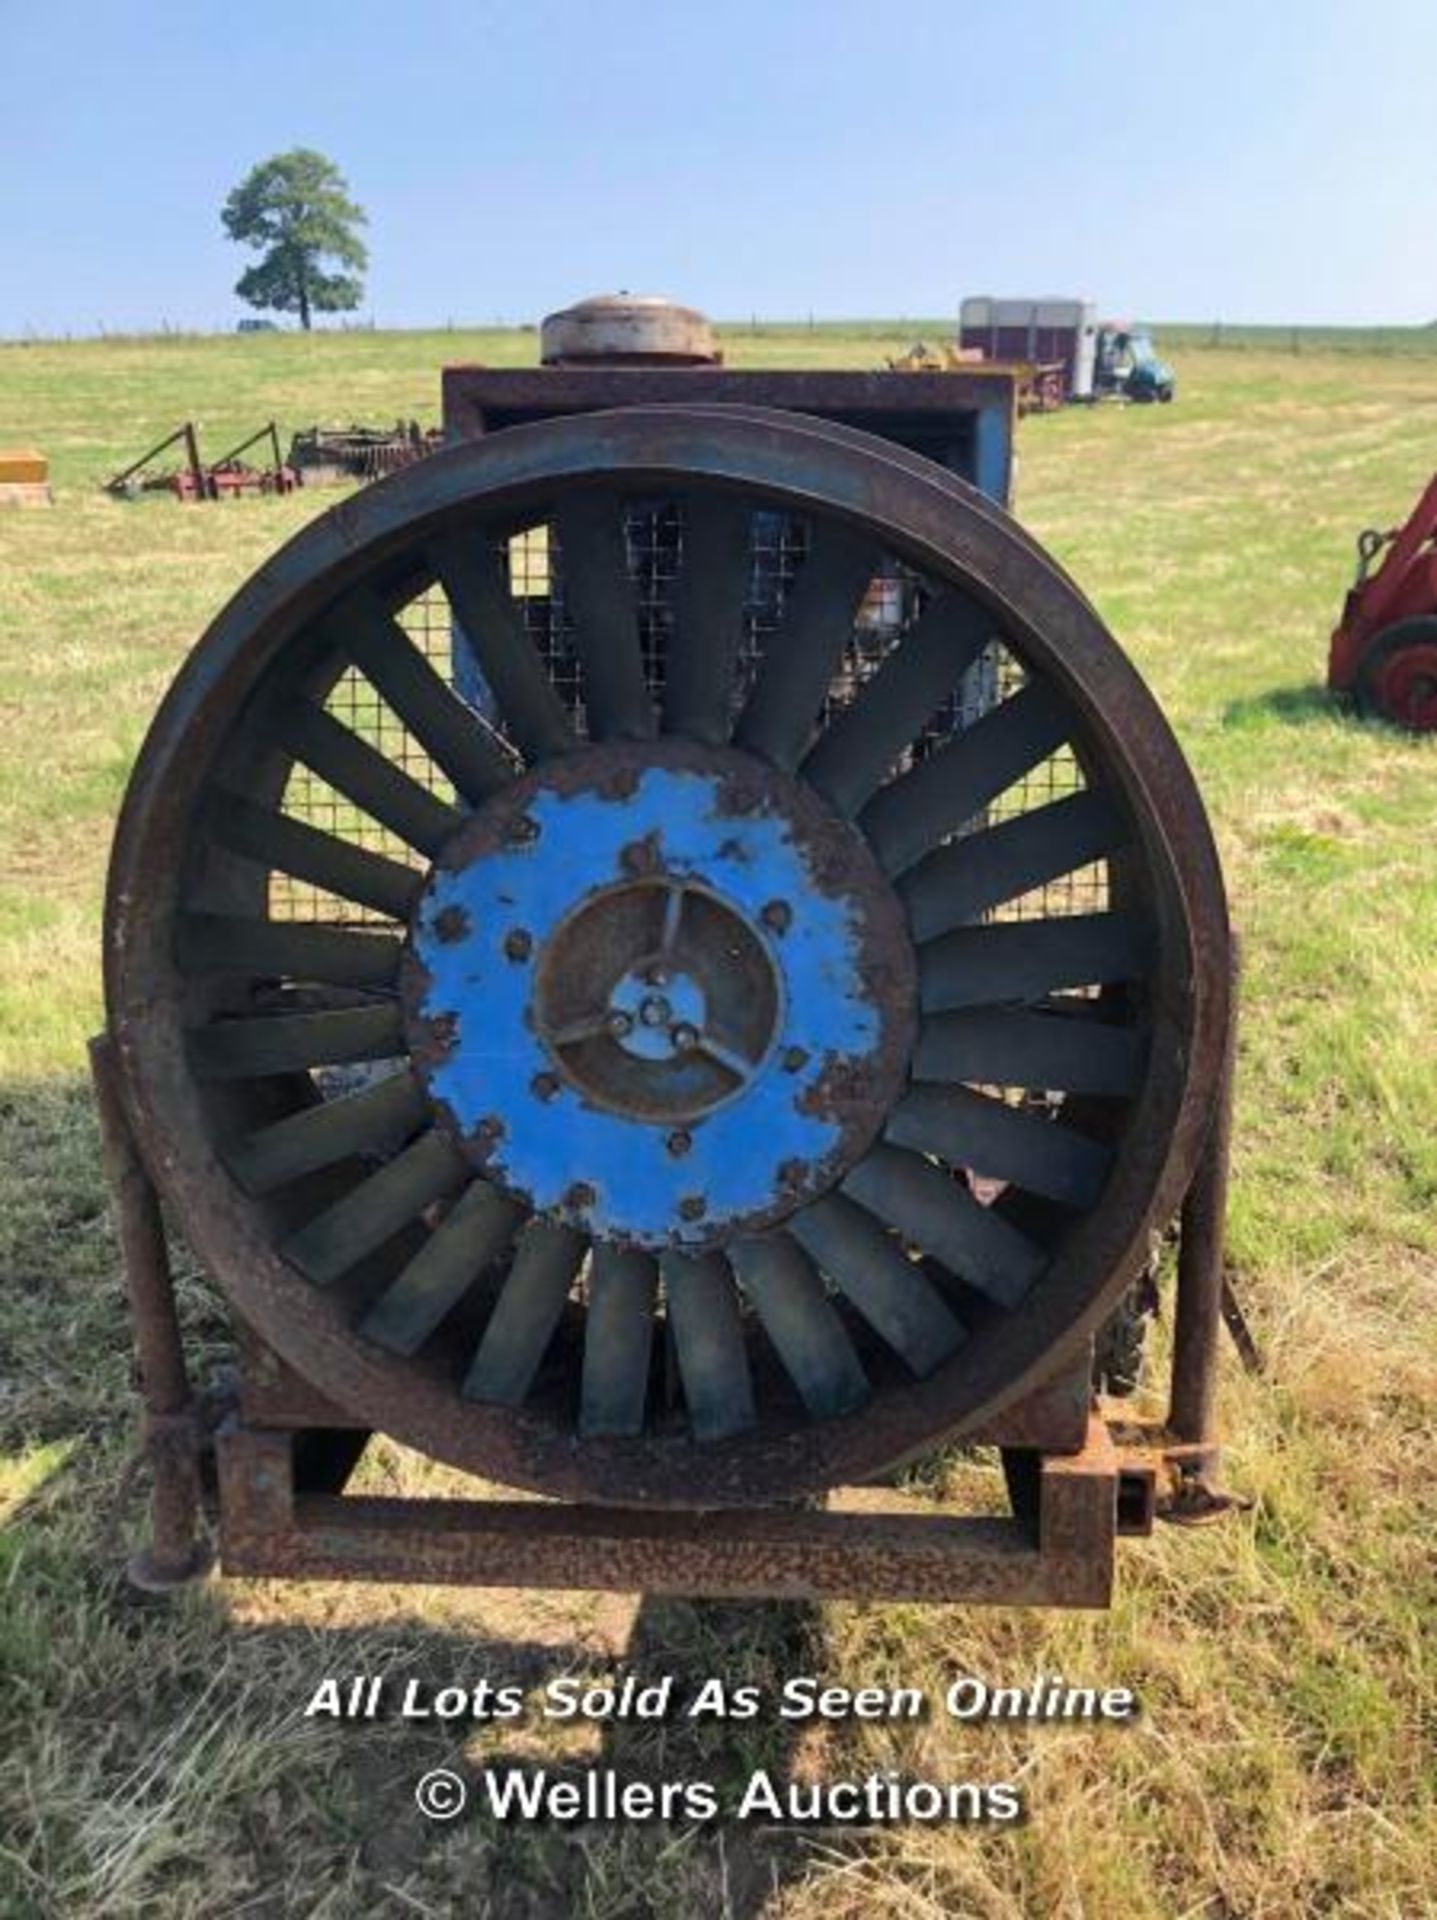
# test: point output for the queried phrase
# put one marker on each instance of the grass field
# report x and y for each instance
(155, 1760)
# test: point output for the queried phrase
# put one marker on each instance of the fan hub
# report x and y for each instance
(652, 1022)
(660, 992)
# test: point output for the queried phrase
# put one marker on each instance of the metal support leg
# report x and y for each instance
(1192, 1414)
(178, 1551)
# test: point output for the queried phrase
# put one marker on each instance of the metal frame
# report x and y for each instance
(961, 421)
(1055, 1550)
(282, 1455)
(172, 1434)
(194, 466)
(197, 481)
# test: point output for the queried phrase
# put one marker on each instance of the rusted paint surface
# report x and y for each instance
(1201, 1248)
(903, 1551)
(173, 1435)
(797, 955)
(629, 330)
(1052, 1419)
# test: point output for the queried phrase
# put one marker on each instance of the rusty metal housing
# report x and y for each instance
(627, 329)
(665, 957)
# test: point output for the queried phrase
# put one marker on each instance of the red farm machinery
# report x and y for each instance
(1384, 649)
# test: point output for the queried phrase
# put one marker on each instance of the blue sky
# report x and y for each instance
(1259, 162)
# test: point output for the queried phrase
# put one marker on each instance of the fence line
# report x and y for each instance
(1221, 335)
(1213, 335)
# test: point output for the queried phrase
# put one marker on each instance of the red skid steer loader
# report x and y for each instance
(1384, 650)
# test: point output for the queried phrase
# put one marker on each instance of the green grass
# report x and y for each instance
(1366, 341)
(154, 1760)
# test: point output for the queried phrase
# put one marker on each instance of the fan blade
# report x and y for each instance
(708, 1338)
(938, 1214)
(451, 733)
(849, 761)
(377, 1119)
(525, 1315)
(802, 657)
(1047, 1049)
(473, 576)
(972, 1130)
(964, 880)
(872, 1270)
(599, 595)
(617, 1341)
(371, 1213)
(472, 1234)
(247, 1049)
(806, 1329)
(1025, 959)
(375, 785)
(331, 956)
(944, 792)
(276, 841)
(710, 596)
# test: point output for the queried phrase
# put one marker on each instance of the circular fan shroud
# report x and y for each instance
(866, 492)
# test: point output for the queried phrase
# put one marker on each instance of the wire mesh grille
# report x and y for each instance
(996, 677)
(654, 532)
(354, 702)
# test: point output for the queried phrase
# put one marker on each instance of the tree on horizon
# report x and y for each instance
(295, 209)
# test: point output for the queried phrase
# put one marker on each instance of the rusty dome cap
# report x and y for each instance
(628, 329)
